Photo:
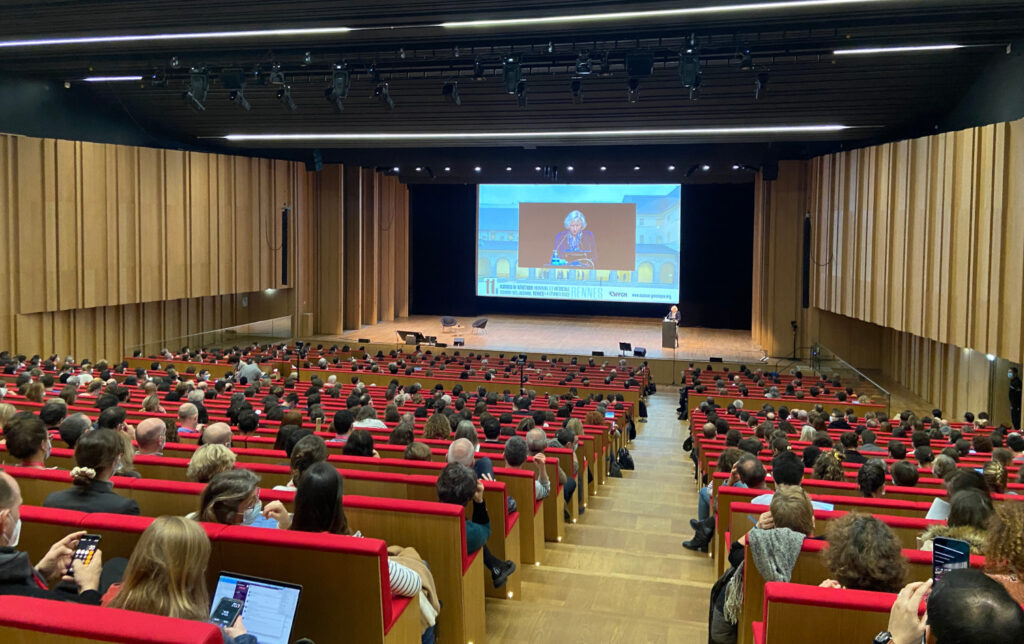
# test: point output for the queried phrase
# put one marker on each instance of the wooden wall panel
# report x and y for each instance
(370, 269)
(329, 241)
(352, 221)
(920, 236)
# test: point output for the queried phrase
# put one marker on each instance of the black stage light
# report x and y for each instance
(238, 98)
(337, 91)
(478, 70)
(512, 71)
(576, 89)
(450, 91)
(285, 96)
(634, 90)
(689, 68)
(521, 92)
(198, 88)
(383, 94)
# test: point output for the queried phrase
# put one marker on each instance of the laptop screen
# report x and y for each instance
(269, 608)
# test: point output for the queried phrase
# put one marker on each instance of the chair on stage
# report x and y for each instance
(449, 324)
(480, 326)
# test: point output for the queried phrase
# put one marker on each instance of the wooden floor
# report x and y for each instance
(621, 575)
(571, 334)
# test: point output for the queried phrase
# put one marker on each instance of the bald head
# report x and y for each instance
(10, 508)
(536, 441)
(461, 451)
(217, 434)
(151, 434)
(188, 415)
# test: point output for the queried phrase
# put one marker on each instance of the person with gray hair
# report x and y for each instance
(188, 418)
(943, 466)
(367, 417)
(575, 243)
(536, 443)
(515, 456)
(74, 427)
(463, 451)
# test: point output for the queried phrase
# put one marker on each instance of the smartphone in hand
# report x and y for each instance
(85, 551)
(226, 611)
(949, 554)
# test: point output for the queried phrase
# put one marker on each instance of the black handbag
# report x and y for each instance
(625, 459)
(614, 470)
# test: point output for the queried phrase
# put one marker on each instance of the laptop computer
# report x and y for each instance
(269, 605)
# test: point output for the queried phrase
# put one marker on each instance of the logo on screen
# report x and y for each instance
(617, 294)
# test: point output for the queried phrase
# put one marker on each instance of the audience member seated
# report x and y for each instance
(536, 443)
(216, 433)
(904, 474)
(849, 442)
(342, 426)
(151, 436)
(868, 439)
(360, 443)
(437, 426)
(969, 513)
(747, 472)
(871, 478)
(961, 479)
(461, 450)
(515, 456)
(27, 440)
(416, 451)
(366, 417)
(309, 450)
(457, 484)
(19, 577)
(995, 477)
(73, 428)
(863, 554)
(788, 470)
(233, 498)
(166, 575)
(97, 457)
(401, 435)
(188, 418)
(208, 461)
(965, 606)
(1004, 548)
(774, 545)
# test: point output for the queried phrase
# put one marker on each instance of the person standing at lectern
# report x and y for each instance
(673, 314)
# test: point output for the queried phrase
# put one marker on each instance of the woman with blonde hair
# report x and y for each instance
(1004, 548)
(151, 404)
(166, 575)
(35, 392)
(208, 461)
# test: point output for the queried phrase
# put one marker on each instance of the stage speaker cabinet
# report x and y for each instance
(597, 353)
(410, 339)
(459, 342)
(363, 341)
(639, 352)
(714, 359)
(441, 344)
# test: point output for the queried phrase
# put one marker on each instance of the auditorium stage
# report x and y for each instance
(569, 335)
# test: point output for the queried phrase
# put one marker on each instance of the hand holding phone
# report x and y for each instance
(86, 551)
(226, 611)
(949, 554)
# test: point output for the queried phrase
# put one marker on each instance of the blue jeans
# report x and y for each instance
(703, 504)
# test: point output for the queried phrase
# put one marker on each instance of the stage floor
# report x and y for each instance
(569, 334)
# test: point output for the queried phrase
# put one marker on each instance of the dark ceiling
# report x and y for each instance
(400, 43)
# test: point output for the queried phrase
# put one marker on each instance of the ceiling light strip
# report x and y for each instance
(111, 79)
(195, 35)
(573, 134)
(906, 49)
(660, 13)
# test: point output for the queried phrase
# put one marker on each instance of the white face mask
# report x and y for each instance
(253, 513)
(12, 541)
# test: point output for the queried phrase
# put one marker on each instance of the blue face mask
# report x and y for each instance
(253, 513)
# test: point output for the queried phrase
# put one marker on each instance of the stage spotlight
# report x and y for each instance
(521, 92)
(634, 90)
(512, 72)
(576, 89)
(569, 168)
(383, 94)
(285, 96)
(689, 68)
(477, 169)
(537, 168)
(175, 63)
(478, 70)
(419, 169)
(603, 168)
(395, 169)
(639, 64)
(447, 168)
(704, 167)
(746, 61)
(198, 88)
(583, 63)
(760, 85)
(307, 58)
(508, 168)
(276, 76)
(671, 168)
(636, 168)
(238, 98)
(735, 166)
(337, 91)
(450, 91)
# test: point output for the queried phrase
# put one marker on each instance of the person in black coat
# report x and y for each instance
(98, 456)
(19, 577)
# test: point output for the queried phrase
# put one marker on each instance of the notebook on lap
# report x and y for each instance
(269, 605)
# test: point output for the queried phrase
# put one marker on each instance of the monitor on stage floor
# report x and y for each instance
(607, 243)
